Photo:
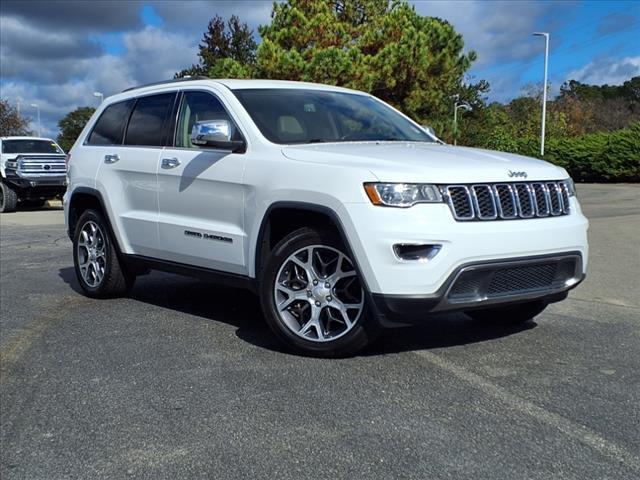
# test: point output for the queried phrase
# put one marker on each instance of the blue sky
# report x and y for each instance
(56, 54)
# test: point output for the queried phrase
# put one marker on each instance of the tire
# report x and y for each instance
(310, 318)
(8, 198)
(96, 261)
(513, 314)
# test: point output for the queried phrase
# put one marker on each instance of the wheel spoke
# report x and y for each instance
(292, 296)
(343, 318)
(84, 238)
(99, 271)
(339, 272)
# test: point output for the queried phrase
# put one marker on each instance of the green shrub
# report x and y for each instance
(596, 157)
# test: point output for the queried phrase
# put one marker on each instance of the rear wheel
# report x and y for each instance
(8, 198)
(313, 298)
(514, 314)
(95, 258)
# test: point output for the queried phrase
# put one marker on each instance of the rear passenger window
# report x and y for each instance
(109, 128)
(149, 117)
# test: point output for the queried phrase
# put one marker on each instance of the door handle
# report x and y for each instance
(170, 162)
(111, 158)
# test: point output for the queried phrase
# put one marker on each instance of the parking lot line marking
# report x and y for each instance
(566, 426)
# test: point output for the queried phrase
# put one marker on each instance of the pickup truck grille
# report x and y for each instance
(41, 165)
(507, 201)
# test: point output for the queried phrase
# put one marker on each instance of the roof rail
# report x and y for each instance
(173, 80)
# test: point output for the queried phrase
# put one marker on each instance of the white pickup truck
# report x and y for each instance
(33, 170)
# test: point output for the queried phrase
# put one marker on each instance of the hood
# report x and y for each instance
(12, 156)
(427, 162)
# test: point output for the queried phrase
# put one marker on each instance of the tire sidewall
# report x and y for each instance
(363, 332)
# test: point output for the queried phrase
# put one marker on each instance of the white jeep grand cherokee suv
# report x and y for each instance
(342, 213)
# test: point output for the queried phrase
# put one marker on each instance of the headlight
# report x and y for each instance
(402, 194)
(571, 187)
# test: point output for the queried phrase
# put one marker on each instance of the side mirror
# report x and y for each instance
(214, 134)
(429, 129)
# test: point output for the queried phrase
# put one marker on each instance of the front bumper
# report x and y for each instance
(481, 284)
(373, 231)
(38, 181)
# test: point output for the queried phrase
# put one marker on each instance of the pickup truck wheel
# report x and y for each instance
(313, 297)
(95, 258)
(514, 314)
(8, 198)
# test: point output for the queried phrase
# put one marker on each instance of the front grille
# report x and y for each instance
(42, 165)
(507, 201)
(522, 279)
(519, 278)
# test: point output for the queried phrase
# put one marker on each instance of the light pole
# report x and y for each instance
(544, 87)
(99, 95)
(456, 106)
(37, 107)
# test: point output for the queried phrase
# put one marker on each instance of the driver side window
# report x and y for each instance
(198, 107)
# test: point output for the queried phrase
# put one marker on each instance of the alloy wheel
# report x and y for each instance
(318, 294)
(92, 256)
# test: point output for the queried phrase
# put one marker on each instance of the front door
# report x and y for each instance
(201, 195)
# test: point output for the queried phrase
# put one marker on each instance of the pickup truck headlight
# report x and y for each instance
(402, 195)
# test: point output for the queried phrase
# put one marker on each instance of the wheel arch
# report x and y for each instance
(294, 215)
(84, 198)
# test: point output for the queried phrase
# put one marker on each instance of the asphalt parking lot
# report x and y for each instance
(184, 380)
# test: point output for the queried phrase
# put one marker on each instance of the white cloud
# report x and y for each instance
(150, 55)
(607, 70)
(498, 30)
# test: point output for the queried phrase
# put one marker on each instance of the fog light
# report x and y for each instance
(416, 252)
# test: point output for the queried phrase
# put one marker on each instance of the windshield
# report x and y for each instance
(288, 116)
(30, 146)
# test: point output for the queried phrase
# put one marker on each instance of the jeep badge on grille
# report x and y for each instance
(517, 174)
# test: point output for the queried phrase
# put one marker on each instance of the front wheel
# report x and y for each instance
(313, 297)
(514, 314)
(95, 258)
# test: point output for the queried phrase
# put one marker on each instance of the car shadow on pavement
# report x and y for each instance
(241, 309)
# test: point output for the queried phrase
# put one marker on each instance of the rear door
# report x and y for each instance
(128, 173)
(201, 195)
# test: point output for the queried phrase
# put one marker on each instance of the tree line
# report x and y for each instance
(415, 63)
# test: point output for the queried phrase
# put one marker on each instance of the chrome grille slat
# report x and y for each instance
(564, 192)
(484, 202)
(42, 165)
(507, 201)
